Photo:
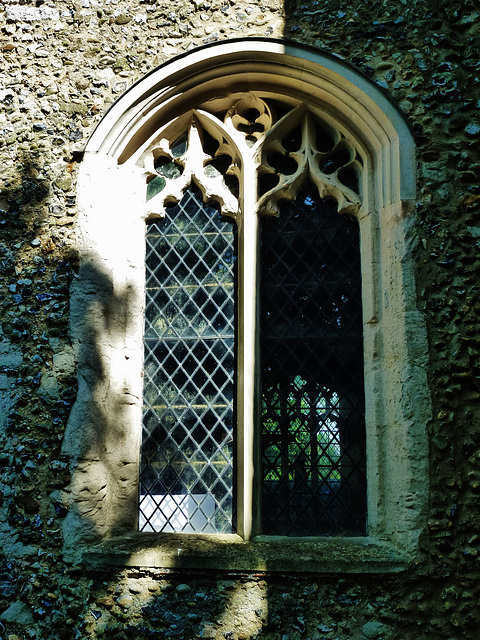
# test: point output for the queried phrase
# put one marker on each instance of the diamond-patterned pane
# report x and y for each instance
(313, 434)
(187, 451)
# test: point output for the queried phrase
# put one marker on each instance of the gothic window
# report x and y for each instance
(256, 177)
(253, 418)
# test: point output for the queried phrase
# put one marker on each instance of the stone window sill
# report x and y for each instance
(232, 554)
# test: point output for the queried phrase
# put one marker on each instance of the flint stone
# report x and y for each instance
(64, 362)
(125, 601)
(10, 358)
(64, 182)
(49, 386)
(120, 86)
(375, 630)
(19, 613)
(183, 588)
(122, 19)
(472, 129)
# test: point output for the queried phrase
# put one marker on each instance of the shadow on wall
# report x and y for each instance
(37, 383)
(101, 416)
(131, 602)
(21, 197)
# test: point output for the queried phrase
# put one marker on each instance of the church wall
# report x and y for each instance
(62, 65)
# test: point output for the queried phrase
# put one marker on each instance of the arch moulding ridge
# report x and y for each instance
(347, 97)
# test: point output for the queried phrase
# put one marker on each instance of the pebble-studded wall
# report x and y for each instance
(62, 63)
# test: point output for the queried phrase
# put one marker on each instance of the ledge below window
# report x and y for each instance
(232, 554)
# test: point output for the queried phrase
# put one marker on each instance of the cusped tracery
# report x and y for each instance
(191, 150)
(301, 147)
(250, 116)
(283, 145)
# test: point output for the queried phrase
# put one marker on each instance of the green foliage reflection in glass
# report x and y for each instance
(320, 446)
(311, 345)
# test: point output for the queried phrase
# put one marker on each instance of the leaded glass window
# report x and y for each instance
(253, 334)
(311, 349)
(187, 452)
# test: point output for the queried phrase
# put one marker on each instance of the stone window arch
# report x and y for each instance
(119, 189)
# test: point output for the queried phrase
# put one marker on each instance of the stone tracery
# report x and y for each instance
(282, 145)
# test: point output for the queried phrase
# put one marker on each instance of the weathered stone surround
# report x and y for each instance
(103, 432)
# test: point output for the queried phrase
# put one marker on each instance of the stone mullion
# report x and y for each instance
(248, 273)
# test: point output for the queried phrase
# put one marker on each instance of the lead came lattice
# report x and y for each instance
(313, 437)
(187, 451)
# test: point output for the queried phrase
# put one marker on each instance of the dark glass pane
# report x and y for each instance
(187, 451)
(293, 140)
(155, 185)
(179, 147)
(313, 434)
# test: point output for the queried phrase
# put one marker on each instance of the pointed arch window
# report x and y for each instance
(287, 156)
(253, 416)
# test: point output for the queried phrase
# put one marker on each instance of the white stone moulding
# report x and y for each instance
(104, 431)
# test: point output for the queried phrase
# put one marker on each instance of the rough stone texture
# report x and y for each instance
(10, 361)
(373, 630)
(31, 14)
(63, 64)
(19, 613)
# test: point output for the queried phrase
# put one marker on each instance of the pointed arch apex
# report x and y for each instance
(346, 98)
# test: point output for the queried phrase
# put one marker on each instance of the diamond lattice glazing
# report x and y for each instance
(187, 452)
(313, 437)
